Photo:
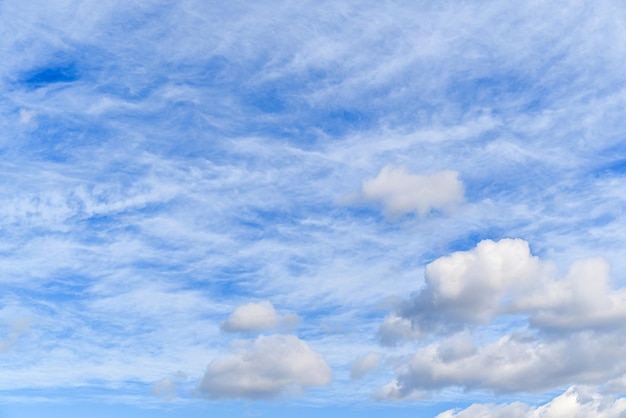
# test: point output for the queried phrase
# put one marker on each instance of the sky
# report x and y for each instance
(317, 208)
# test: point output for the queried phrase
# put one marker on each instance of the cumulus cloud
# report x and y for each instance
(513, 363)
(257, 317)
(363, 365)
(271, 366)
(401, 192)
(584, 299)
(570, 329)
(576, 402)
(476, 286)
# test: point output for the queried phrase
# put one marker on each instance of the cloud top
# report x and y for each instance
(258, 316)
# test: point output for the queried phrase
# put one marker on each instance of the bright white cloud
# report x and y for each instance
(576, 323)
(576, 402)
(256, 317)
(495, 278)
(363, 365)
(467, 287)
(271, 366)
(401, 192)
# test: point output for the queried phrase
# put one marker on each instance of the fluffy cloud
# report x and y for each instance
(401, 192)
(514, 363)
(474, 287)
(569, 329)
(363, 365)
(256, 317)
(584, 299)
(271, 366)
(576, 402)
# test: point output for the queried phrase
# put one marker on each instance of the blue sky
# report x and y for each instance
(403, 209)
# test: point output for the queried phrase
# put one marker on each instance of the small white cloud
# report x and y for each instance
(401, 192)
(272, 366)
(473, 287)
(363, 365)
(257, 317)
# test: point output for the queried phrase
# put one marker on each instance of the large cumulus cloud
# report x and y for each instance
(504, 320)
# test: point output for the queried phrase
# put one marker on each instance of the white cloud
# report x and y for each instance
(363, 365)
(256, 317)
(569, 329)
(272, 366)
(576, 402)
(401, 192)
(495, 278)
(583, 299)
(513, 363)
(466, 287)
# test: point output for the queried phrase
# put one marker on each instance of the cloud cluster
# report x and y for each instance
(401, 192)
(572, 332)
(258, 317)
(271, 366)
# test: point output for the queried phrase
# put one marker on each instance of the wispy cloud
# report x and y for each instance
(168, 168)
